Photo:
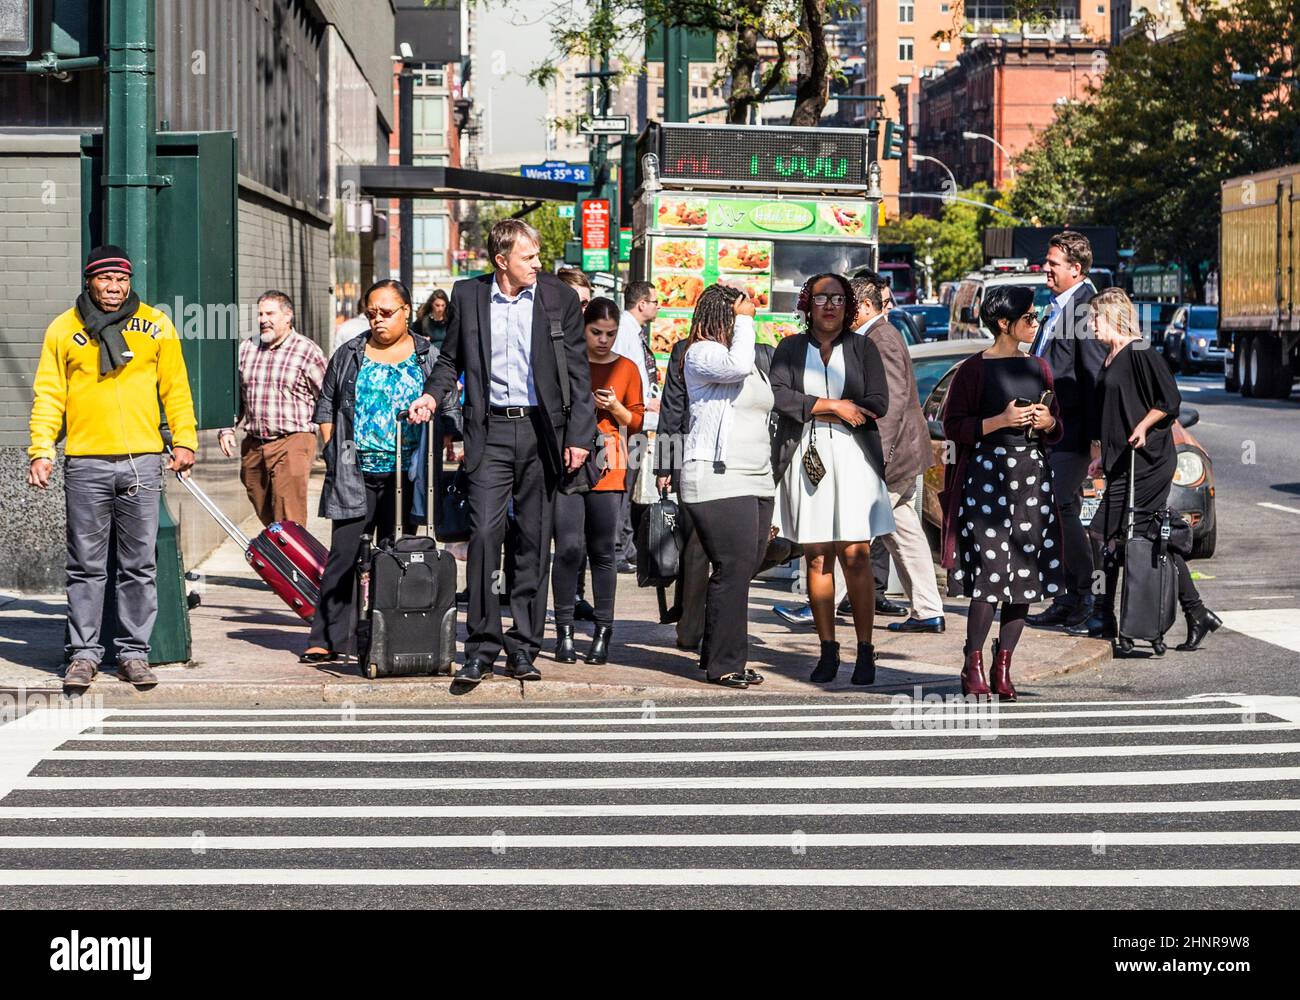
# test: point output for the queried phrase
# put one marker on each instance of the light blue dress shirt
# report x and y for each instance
(511, 380)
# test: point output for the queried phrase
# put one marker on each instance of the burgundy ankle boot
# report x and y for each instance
(972, 675)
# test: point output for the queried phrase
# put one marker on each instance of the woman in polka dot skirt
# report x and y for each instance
(1001, 534)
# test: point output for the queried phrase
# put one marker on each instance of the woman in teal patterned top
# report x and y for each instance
(369, 381)
(383, 391)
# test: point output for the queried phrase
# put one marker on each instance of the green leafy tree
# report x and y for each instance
(1171, 125)
(954, 241)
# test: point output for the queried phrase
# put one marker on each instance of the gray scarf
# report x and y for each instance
(107, 329)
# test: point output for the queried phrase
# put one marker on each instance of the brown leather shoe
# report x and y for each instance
(138, 673)
(79, 675)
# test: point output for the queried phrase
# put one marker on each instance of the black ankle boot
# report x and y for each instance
(564, 651)
(599, 652)
(829, 664)
(1199, 625)
(864, 672)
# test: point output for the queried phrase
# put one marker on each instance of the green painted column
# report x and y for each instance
(130, 189)
(677, 76)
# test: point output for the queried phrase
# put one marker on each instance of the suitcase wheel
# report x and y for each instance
(1125, 645)
(372, 671)
(1158, 647)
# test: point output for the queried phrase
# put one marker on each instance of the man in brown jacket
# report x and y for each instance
(905, 438)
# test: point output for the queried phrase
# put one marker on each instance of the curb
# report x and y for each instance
(408, 692)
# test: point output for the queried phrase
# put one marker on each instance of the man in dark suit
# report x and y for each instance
(509, 332)
(1066, 342)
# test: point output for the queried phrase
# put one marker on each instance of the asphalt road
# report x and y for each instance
(1170, 782)
(1141, 803)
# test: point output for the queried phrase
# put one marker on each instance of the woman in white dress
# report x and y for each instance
(829, 387)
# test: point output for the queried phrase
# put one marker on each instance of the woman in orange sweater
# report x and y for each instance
(590, 520)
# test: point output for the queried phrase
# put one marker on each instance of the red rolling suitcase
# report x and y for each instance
(284, 555)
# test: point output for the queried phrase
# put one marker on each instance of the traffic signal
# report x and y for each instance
(893, 147)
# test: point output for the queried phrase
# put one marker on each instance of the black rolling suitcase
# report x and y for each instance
(408, 588)
(1149, 598)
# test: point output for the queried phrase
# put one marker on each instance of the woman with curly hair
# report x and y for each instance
(726, 483)
(829, 387)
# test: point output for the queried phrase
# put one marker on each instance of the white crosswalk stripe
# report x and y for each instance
(1201, 795)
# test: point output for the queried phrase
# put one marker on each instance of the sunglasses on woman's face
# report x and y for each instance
(377, 313)
(835, 300)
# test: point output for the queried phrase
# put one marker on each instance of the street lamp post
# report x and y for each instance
(932, 159)
(1006, 155)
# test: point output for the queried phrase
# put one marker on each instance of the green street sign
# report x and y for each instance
(595, 260)
(565, 212)
(624, 246)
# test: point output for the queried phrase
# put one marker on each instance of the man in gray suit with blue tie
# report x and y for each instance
(513, 334)
(1065, 341)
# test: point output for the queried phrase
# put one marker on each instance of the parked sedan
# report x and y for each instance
(1192, 494)
(1191, 341)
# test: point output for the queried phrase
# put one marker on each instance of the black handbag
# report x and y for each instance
(451, 512)
(658, 544)
(1179, 540)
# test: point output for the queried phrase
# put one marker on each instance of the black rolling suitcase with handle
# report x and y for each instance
(1149, 599)
(408, 623)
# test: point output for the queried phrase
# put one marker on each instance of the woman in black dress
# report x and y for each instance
(1139, 404)
(999, 509)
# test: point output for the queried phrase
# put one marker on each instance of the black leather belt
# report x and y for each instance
(513, 412)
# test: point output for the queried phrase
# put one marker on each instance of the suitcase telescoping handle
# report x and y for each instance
(218, 515)
(402, 417)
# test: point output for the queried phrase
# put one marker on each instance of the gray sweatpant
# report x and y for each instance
(103, 493)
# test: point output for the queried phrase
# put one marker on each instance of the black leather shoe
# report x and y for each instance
(522, 667)
(1096, 627)
(564, 649)
(583, 612)
(1078, 614)
(890, 609)
(1198, 627)
(1054, 614)
(864, 671)
(473, 671)
(845, 608)
(599, 652)
(918, 625)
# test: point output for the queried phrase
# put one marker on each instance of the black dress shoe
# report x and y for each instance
(473, 671)
(934, 624)
(1198, 627)
(1096, 627)
(845, 608)
(583, 612)
(1053, 615)
(890, 609)
(522, 667)
(1078, 614)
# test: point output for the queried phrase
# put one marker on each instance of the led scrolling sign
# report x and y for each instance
(766, 156)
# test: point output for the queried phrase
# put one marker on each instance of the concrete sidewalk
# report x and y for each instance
(246, 644)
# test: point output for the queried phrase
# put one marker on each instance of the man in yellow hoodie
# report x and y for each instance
(105, 365)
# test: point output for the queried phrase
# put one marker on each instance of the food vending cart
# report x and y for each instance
(759, 207)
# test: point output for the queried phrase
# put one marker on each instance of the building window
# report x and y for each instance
(944, 8)
(430, 241)
(428, 121)
(906, 11)
(905, 50)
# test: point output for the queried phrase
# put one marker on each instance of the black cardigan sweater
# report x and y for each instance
(864, 384)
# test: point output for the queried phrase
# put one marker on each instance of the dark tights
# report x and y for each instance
(585, 523)
(980, 619)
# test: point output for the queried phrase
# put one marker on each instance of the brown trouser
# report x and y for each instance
(275, 474)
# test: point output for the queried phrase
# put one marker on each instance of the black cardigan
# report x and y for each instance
(864, 384)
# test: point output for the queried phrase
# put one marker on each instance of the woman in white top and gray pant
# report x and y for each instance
(726, 483)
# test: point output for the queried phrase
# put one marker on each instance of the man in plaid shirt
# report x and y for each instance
(280, 376)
